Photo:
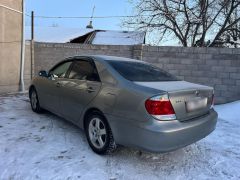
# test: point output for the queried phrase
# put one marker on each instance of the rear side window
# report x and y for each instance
(143, 72)
(61, 70)
(84, 70)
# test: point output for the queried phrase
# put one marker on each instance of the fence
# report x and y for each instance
(216, 67)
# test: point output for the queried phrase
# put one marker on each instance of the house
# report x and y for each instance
(10, 44)
(86, 36)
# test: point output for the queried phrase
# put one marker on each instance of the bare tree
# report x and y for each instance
(192, 22)
(232, 35)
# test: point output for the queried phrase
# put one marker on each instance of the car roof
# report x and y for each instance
(107, 58)
(99, 58)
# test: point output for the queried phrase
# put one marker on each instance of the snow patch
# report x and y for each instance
(56, 34)
(44, 146)
(119, 38)
(64, 35)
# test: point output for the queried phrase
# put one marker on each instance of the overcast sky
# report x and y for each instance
(78, 8)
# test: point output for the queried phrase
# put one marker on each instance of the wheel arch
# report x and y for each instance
(30, 89)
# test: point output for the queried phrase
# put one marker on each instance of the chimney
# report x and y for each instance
(89, 26)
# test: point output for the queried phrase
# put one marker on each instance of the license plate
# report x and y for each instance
(196, 104)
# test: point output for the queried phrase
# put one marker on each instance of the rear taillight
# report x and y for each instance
(160, 107)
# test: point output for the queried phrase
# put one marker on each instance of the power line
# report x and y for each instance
(82, 17)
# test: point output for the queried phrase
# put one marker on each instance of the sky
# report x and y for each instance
(73, 8)
(78, 8)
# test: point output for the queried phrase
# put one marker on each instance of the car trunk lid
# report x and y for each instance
(189, 100)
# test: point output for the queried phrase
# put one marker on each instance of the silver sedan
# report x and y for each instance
(121, 101)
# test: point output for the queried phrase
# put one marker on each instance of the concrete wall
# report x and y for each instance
(48, 54)
(217, 67)
(27, 65)
(10, 45)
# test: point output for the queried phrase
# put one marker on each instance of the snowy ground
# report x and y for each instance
(44, 146)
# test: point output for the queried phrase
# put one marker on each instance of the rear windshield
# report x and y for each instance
(137, 71)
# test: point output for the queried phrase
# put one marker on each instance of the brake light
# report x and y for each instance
(160, 107)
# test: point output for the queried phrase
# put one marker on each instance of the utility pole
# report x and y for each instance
(32, 44)
(22, 86)
(32, 25)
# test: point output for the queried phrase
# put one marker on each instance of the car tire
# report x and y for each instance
(99, 134)
(34, 101)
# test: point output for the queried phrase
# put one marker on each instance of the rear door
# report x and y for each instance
(80, 88)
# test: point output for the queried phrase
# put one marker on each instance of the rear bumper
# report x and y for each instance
(160, 136)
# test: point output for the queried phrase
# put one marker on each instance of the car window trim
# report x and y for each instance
(69, 70)
(61, 63)
(87, 59)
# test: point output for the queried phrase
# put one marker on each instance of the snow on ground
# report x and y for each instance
(45, 146)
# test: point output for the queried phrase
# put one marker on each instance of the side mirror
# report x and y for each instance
(43, 73)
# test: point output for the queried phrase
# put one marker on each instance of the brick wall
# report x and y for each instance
(217, 67)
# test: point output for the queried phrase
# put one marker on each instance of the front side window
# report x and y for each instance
(142, 72)
(84, 70)
(61, 70)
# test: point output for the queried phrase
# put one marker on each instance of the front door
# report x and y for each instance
(51, 90)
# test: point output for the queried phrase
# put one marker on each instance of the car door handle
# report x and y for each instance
(90, 90)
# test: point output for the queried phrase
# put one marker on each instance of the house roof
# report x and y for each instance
(119, 37)
(103, 37)
(55, 34)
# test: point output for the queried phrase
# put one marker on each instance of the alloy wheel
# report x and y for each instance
(97, 133)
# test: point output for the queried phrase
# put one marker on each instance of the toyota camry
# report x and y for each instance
(121, 101)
